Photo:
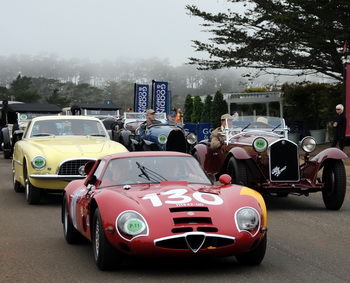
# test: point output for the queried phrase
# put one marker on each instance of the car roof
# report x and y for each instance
(145, 154)
(34, 107)
(64, 117)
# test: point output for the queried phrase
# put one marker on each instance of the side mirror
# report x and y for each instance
(225, 179)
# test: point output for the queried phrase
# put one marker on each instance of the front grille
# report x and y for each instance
(71, 167)
(284, 161)
(195, 241)
(176, 141)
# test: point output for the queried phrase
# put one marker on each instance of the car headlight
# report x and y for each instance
(162, 139)
(131, 224)
(308, 144)
(191, 138)
(38, 162)
(260, 144)
(247, 219)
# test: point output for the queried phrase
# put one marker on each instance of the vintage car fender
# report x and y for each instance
(240, 153)
(329, 153)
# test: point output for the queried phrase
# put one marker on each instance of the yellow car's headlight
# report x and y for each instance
(38, 162)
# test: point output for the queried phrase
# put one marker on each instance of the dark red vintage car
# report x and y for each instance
(259, 154)
(162, 204)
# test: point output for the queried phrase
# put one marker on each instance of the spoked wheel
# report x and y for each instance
(237, 170)
(255, 256)
(106, 256)
(33, 194)
(71, 234)
(334, 178)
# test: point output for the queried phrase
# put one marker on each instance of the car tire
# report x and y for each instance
(237, 170)
(255, 256)
(33, 194)
(17, 186)
(105, 255)
(7, 154)
(334, 178)
(71, 234)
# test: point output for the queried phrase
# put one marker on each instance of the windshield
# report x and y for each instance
(68, 127)
(153, 169)
(256, 122)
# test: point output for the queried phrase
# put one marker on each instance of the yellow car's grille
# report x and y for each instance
(71, 167)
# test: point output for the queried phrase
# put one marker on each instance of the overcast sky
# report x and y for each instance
(103, 29)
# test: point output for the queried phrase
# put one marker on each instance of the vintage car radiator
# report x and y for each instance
(284, 161)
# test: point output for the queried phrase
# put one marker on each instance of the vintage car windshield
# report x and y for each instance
(67, 127)
(141, 116)
(99, 112)
(256, 122)
(153, 169)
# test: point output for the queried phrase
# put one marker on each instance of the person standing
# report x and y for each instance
(339, 126)
(216, 139)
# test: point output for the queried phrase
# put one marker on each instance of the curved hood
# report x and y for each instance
(88, 146)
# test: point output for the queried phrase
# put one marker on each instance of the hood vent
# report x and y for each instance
(182, 209)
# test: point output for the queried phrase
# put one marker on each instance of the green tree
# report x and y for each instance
(313, 103)
(20, 89)
(206, 113)
(188, 108)
(219, 107)
(58, 99)
(197, 109)
(303, 35)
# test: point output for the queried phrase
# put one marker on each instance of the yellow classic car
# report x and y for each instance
(54, 150)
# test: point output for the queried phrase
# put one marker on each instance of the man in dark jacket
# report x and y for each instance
(339, 125)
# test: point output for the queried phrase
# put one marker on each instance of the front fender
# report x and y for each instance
(240, 153)
(200, 150)
(329, 153)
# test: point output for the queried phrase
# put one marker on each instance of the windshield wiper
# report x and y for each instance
(149, 174)
(43, 135)
(246, 127)
(275, 127)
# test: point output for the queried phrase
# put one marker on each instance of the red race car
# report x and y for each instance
(162, 204)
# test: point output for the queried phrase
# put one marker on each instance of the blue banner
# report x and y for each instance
(202, 130)
(161, 97)
(141, 97)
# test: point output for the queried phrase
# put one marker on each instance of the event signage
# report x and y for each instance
(161, 97)
(141, 97)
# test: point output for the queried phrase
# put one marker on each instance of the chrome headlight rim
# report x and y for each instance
(248, 220)
(260, 144)
(162, 139)
(130, 224)
(308, 144)
(191, 138)
(38, 162)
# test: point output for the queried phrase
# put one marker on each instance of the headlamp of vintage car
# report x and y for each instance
(38, 162)
(260, 144)
(247, 220)
(131, 224)
(308, 144)
(191, 138)
(162, 139)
